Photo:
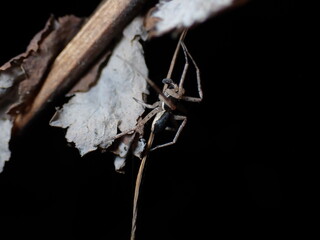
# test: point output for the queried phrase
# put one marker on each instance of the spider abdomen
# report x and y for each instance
(160, 121)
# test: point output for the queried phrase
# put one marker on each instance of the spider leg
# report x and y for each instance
(182, 125)
(185, 69)
(151, 106)
(139, 125)
(188, 98)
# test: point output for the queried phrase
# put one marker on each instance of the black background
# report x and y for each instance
(233, 172)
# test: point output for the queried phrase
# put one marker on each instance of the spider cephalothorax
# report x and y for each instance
(173, 90)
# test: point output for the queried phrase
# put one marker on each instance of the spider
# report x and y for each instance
(163, 110)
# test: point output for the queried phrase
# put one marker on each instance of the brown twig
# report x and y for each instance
(90, 42)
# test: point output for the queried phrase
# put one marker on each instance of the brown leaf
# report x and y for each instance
(42, 52)
(22, 76)
(12, 73)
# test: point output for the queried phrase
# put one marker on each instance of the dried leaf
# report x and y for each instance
(38, 63)
(12, 73)
(177, 14)
(94, 117)
(5, 135)
(22, 76)
(122, 149)
(133, 143)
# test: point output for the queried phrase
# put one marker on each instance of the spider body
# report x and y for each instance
(161, 119)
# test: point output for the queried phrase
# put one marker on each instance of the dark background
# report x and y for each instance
(234, 171)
